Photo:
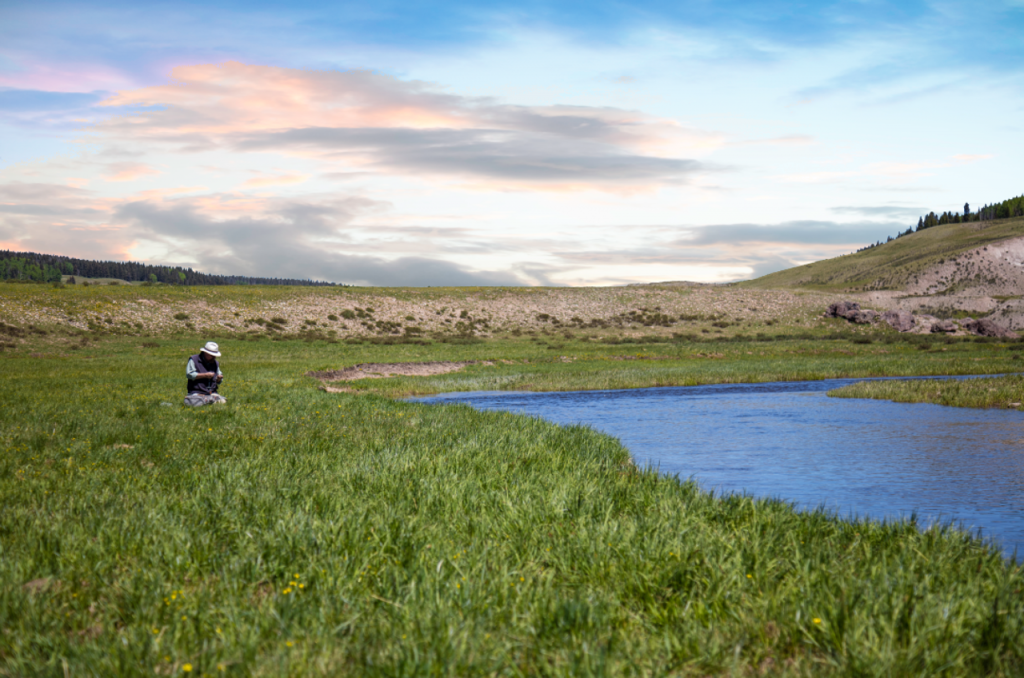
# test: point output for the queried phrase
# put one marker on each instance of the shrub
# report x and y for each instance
(279, 321)
(348, 314)
(332, 317)
(181, 316)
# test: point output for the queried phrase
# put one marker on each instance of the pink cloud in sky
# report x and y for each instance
(129, 171)
(366, 121)
(275, 180)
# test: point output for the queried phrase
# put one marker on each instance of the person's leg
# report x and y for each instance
(217, 398)
(196, 400)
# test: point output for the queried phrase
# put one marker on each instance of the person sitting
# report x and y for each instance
(204, 376)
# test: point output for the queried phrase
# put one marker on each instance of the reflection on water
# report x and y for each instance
(789, 440)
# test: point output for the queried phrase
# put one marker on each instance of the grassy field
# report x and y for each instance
(302, 532)
(299, 532)
(892, 265)
(1006, 392)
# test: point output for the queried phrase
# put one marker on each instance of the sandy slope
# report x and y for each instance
(984, 281)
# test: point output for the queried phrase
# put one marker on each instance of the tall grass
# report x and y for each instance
(295, 532)
(1006, 392)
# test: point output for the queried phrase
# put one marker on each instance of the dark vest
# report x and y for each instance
(205, 386)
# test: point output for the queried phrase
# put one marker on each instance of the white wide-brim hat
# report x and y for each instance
(212, 348)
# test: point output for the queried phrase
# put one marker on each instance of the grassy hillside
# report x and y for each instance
(894, 264)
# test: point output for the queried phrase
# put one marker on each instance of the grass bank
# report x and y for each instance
(297, 532)
(1006, 392)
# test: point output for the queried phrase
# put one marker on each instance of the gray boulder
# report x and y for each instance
(988, 328)
(944, 326)
(842, 309)
(851, 310)
(901, 321)
(865, 317)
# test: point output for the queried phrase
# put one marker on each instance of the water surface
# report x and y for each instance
(789, 440)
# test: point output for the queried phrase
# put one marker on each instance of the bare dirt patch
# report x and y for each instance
(382, 370)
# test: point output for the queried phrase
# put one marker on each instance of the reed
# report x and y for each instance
(1005, 392)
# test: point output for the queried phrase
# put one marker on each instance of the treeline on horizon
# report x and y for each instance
(1014, 207)
(50, 268)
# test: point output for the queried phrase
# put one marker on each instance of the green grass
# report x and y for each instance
(893, 264)
(296, 532)
(1005, 392)
(585, 365)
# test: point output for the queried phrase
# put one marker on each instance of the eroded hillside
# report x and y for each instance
(975, 268)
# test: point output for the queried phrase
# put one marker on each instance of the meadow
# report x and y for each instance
(296, 531)
(1003, 392)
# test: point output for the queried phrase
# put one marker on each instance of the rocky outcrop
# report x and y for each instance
(842, 309)
(851, 310)
(901, 321)
(987, 328)
(905, 321)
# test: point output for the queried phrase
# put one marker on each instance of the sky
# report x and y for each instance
(506, 143)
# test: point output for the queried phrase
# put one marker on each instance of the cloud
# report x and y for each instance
(786, 140)
(360, 121)
(966, 157)
(741, 236)
(275, 180)
(292, 239)
(129, 171)
(888, 211)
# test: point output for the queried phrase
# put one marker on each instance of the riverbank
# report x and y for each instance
(296, 531)
(1003, 392)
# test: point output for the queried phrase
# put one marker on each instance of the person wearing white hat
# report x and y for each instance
(202, 385)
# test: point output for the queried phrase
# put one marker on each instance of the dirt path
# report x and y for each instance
(382, 370)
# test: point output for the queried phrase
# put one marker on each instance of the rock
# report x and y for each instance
(842, 309)
(944, 326)
(988, 328)
(864, 317)
(901, 321)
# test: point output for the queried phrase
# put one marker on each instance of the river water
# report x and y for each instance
(789, 440)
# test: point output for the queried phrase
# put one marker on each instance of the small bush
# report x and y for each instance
(279, 321)
(181, 316)
(410, 317)
(311, 323)
(332, 317)
(348, 314)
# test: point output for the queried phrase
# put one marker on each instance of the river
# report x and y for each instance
(789, 440)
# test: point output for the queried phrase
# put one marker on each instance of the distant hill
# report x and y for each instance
(34, 267)
(912, 260)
